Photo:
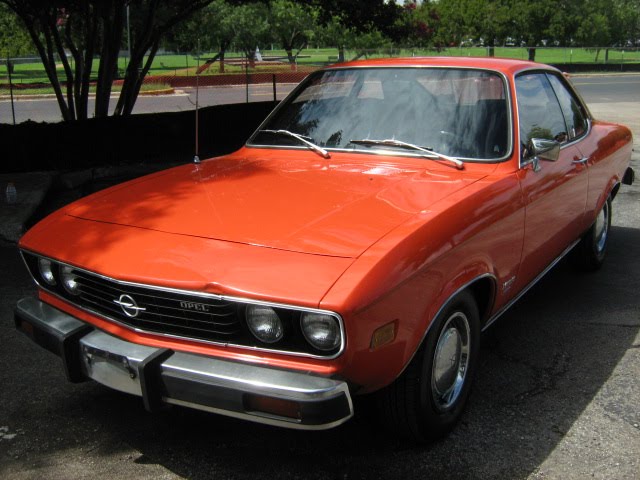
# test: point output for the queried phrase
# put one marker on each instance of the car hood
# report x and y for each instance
(289, 200)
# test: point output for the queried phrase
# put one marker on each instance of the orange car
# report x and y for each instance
(383, 215)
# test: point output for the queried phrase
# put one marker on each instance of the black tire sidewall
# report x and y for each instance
(586, 256)
(433, 422)
(598, 256)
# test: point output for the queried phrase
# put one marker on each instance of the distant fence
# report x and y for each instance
(25, 93)
(137, 139)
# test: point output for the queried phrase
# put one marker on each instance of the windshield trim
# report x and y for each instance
(395, 153)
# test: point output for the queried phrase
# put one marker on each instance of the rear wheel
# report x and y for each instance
(427, 400)
(590, 253)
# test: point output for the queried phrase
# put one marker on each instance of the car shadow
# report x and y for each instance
(542, 365)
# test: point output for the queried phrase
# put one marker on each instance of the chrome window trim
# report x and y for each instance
(399, 153)
(195, 293)
(522, 164)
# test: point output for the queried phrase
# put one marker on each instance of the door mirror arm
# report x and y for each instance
(540, 149)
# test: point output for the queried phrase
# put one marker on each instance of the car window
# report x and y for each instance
(538, 109)
(458, 112)
(571, 108)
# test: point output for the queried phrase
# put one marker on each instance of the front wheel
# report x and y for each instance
(590, 253)
(427, 400)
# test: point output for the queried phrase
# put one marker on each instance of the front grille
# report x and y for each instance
(179, 313)
(159, 311)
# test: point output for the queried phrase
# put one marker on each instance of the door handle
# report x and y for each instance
(580, 161)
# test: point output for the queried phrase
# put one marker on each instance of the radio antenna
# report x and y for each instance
(196, 158)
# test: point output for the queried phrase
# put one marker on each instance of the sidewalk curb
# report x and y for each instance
(48, 96)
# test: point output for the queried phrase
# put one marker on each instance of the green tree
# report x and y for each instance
(416, 25)
(335, 33)
(208, 30)
(14, 38)
(96, 27)
(251, 26)
(482, 20)
(360, 15)
(533, 21)
(369, 42)
(293, 24)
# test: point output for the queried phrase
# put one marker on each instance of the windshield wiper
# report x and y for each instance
(312, 146)
(428, 153)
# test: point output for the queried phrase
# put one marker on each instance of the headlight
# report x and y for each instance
(69, 280)
(46, 271)
(264, 323)
(321, 330)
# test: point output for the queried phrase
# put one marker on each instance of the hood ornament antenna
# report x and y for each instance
(196, 158)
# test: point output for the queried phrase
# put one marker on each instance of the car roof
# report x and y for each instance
(504, 65)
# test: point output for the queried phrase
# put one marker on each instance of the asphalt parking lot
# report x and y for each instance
(558, 396)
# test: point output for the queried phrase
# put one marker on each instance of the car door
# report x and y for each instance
(555, 192)
(588, 140)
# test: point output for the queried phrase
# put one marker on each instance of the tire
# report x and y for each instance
(427, 400)
(590, 253)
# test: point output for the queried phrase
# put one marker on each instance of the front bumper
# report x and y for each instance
(161, 376)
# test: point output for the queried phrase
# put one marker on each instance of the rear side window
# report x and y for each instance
(572, 109)
(538, 108)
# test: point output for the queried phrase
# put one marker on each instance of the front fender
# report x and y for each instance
(407, 277)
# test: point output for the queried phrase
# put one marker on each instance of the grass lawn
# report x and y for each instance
(147, 87)
(186, 64)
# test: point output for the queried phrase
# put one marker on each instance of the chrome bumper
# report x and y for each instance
(161, 376)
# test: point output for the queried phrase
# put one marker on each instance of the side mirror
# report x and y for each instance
(541, 149)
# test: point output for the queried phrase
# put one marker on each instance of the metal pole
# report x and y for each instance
(128, 36)
(196, 158)
(274, 88)
(13, 110)
(247, 79)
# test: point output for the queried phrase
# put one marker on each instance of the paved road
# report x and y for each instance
(46, 109)
(595, 89)
(608, 88)
(558, 397)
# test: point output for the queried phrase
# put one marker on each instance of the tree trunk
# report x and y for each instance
(532, 54)
(98, 27)
(491, 50)
(341, 54)
(113, 29)
(222, 52)
(597, 55)
(251, 57)
(131, 88)
(71, 80)
(49, 63)
(290, 57)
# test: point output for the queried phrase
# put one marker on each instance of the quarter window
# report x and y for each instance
(572, 109)
(539, 111)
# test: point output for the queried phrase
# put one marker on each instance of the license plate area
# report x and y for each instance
(103, 359)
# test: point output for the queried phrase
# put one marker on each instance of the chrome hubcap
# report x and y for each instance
(602, 227)
(450, 362)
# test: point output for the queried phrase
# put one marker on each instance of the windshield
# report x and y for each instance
(456, 112)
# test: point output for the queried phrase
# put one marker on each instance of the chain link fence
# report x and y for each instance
(26, 94)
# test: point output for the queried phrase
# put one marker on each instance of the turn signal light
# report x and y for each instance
(272, 406)
(383, 335)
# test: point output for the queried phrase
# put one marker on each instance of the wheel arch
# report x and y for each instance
(482, 289)
(615, 189)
